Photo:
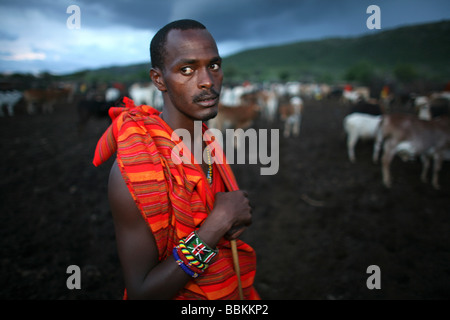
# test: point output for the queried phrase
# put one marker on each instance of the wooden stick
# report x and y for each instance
(237, 268)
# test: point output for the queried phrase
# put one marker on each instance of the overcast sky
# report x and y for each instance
(34, 35)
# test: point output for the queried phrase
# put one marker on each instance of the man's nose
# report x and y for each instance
(205, 80)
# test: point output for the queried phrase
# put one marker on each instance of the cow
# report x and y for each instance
(354, 95)
(47, 98)
(10, 99)
(291, 115)
(432, 107)
(359, 126)
(231, 96)
(268, 100)
(422, 107)
(241, 116)
(410, 137)
(237, 117)
(146, 94)
(112, 94)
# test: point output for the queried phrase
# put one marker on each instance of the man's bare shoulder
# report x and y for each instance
(121, 201)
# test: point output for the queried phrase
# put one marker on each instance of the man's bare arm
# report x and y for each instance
(145, 277)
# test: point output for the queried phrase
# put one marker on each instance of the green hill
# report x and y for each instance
(406, 52)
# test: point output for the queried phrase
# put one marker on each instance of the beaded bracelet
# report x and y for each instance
(182, 265)
(189, 259)
(200, 250)
(193, 255)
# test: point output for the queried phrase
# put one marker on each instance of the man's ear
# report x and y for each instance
(157, 78)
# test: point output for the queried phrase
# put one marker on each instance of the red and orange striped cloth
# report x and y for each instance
(174, 199)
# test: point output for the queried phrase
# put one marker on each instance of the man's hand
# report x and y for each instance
(230, 216)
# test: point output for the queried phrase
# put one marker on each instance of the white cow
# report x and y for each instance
(232, 96)
(268, 100)
(146, 94)
(356, 95)
(422, 104)
(434, 106)
(112, 94)
(10, 99)
(291, 115)
(359, 126)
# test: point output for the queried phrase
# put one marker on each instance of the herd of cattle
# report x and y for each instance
(422, 134)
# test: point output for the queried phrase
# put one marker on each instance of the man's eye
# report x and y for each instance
(187, 70)
(214, 66)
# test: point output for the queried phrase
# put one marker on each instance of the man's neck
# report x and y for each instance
(196, 144)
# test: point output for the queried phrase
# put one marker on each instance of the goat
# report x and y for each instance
(359, 126)
(291, 115)
(410, 137)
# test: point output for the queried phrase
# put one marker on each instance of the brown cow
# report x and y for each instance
(47, 98)
(238, 117)
(408, 136)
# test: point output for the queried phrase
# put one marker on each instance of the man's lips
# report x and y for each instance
(207, 101)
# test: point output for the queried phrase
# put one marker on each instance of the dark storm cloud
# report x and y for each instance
(234, 19)
(262, 21)
(139, 14)
(119, 31)
(243, 19)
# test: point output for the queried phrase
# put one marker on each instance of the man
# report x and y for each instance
(174, 222)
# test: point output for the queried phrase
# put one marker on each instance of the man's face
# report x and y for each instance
(192, 74)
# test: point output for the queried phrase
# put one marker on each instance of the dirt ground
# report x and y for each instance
(319, 223)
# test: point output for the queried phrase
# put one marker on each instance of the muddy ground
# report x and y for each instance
(319, 223)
